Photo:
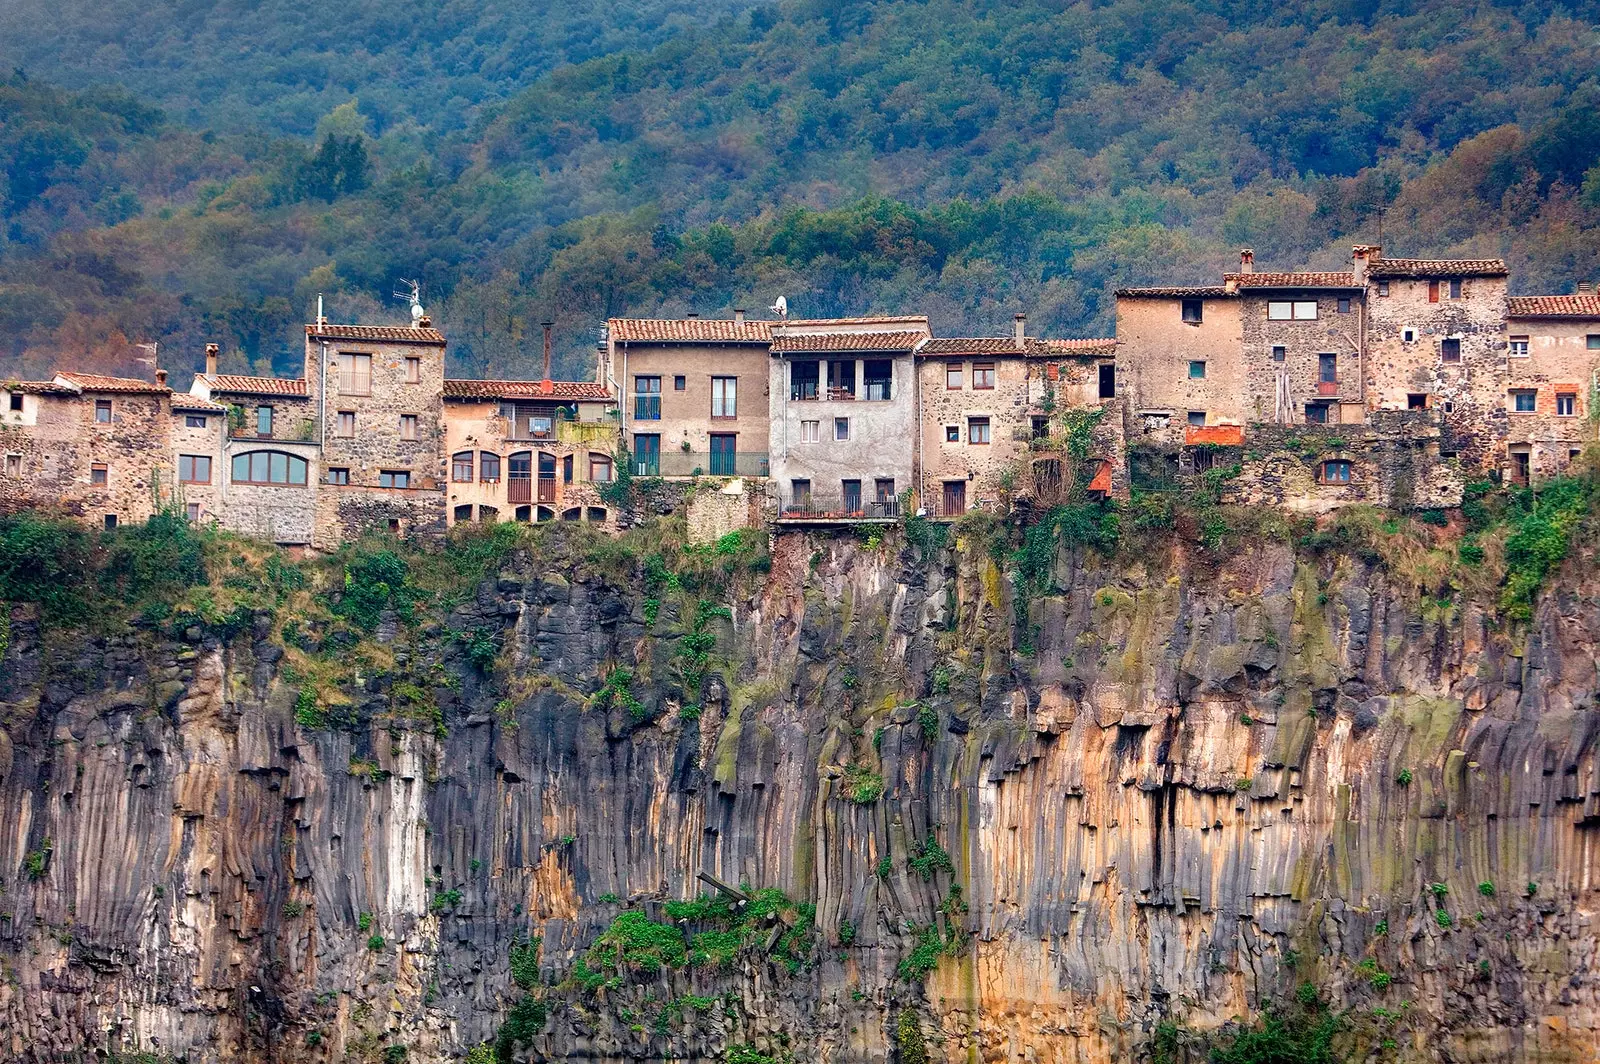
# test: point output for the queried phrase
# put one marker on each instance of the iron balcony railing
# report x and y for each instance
(701, 464)
(817, 506)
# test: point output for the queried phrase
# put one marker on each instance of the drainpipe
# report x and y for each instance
(322, 397)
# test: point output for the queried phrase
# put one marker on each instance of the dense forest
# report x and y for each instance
(971, 159)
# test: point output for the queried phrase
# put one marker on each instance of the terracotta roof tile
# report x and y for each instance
(945, 346)
(572, 390)
(394, 334)
(847, 341)
(881, 319)
(689, 330)
(235, 385)
(98, 382)
(1094, 346)
(1292, 280)
(1173, 292)
(1386, 267)
(41, 387)
(1578, 306)
(183, 401)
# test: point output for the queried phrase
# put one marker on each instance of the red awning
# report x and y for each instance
(1218, 435)
(1102, 479)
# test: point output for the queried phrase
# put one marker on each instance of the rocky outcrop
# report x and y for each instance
(1195, 789)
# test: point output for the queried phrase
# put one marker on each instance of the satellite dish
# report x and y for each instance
(780, 308)
(417, 312)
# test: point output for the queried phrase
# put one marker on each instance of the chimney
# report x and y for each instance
(1361, 256)
(738, 315)
(692, 315)
(211, 359)
(1585, 288)
(1019, 330)
(547, 385)
(1247, 260)
(161, 378)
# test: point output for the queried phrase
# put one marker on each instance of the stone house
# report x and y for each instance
(993, 417)
(199, 435)
(694, 394)
(843, 420)
(529, 450)
(1180, 361)
(1552, 379)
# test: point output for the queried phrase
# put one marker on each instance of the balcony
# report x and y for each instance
(283, 430)
(817, 507)
(701, 464)
(1328, 388)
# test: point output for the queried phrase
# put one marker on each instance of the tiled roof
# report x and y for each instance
(1386, 267)
(227, 382)
(41, 387)
(882, 319)
(1292, 280)
(97, 382)
(847, 341)
(1173, 291)
(1095, 346)
(183, 401)
(690, 330)
(579, 390)
(945, 346)
(1579, 306)
(393, 334)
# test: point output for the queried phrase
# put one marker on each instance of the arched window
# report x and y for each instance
(269, 467)
(461, 467)
(488, 466)
(600, 468)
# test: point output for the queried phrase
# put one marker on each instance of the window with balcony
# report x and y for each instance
(355, 374)
(647, 398)
(724, 397)
(647, 455)
(269, 467)
(461, 467)
(394, 478)
(488, 467)
(982, 376)
(804, 378)
(842, 379)
(194, 468)
(1327, 369)
(102, 411)
(878, 375)
(977, 430)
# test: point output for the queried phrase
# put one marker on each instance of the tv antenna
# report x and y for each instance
(411, 291)
(153, 348)
(780, 308)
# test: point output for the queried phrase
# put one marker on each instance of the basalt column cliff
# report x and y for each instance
(1151, 799)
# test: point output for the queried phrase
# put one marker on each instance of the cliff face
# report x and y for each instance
(1202, 787)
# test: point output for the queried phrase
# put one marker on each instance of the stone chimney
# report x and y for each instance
(161, 378)
(1019, 330)
(1247, 260)
(1585, 288)
(547, 385)
(1361, 256)
(211, 359)
(738, 315)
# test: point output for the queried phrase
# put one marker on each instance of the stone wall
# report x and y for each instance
(1303, 342)
(200, 441)
(1559, 362)
(1394, 463)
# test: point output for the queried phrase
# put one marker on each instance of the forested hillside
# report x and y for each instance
(973, 159)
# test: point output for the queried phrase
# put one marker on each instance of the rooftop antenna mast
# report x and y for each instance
(411, 292)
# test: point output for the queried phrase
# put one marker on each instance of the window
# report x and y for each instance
(647, 398)
(1279, 354)
(110, 522)
(1408, 336)
(1455, 289)
(1296, 310)
(679, 383)
(1040, 427)
(953, 502)
(1519, 347)
(566, 469)
(13, 465)
(1193, 310)
(841, 428)
(878, 376)
(647, 455)
(1327, 369)
(724, 396)
(268, 467)
(1383, 288)
(408, 426)
(192, 511)
(488, 467)
(347, 424)
(1316, 413)
(413, 370)
(263, 421)
(461, 467)
(1450, 350)
(810, 431)
(194, 421)
(1521, 462)
(394, 478)
(800, 492)
(977, 430)
(842, 379)
(338, 476)
(1593, 341)
(883, 490)
(724, 454)
(983, 375)
(1344, 304)
(1566, 404)
(394, 525)
(599, 468)
(1417, 401)
(1523, 400)
(1108, 380)
(99, 475)
(355, 374)
(803, 378)
(1197, 370)
(16, 400)
(952, 434)
(851, 492)
(464, 513)
(953, 374)
(1197, 418)
(102, 411)
(1336, 472)
(194, 468)
(1433, 291)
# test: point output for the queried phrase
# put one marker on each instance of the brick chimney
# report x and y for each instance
(1247, 260)
(1361, 256)
(161, 378)
(547, 385)
(1019, 330)
(211, 359)
(738, 315)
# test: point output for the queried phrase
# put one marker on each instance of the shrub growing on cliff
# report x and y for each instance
(162, 556)
(375, 582)
(862, 785)
(908, 1038)
(44, 560)
(526, 1019)
(1304, 1036)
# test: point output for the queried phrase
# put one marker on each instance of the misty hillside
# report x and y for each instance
(970, 159)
